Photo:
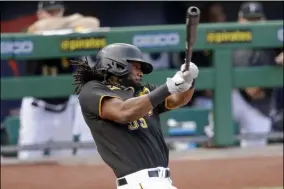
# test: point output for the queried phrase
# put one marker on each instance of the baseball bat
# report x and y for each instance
(192, 21)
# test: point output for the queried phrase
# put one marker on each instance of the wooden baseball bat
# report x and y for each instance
(192, 21)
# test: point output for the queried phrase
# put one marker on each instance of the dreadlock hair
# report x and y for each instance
(84, 74)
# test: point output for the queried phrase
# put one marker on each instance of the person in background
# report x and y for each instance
(78, 23)
(46, 119)
(251, 107)
(58, 122)
(47, 10)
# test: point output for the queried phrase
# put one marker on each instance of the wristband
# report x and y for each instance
(158, 95)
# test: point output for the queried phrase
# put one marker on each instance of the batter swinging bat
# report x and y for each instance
(192, 20)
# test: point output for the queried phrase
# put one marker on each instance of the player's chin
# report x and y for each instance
(136, 83)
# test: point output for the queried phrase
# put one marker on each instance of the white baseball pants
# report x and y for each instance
(141, 180)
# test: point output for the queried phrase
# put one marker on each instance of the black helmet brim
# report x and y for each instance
(146, 67)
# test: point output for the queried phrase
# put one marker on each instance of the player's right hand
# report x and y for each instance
(177, 83)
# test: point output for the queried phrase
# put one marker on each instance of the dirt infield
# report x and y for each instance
(233, 173)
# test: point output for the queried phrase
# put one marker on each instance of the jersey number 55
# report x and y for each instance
(138, 123)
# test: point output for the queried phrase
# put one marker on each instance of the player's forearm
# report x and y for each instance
(179, 99)
(135, 108)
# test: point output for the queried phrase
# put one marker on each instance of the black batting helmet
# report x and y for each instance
(115, 58)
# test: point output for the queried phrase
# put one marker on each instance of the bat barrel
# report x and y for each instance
(192, 20)
(193, 11)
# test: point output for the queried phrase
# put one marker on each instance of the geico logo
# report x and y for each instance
(17, 47)
(156, 40)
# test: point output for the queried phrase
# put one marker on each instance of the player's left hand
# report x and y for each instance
(191, 74)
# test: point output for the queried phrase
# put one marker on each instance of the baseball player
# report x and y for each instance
(123, 114)
(46, 119)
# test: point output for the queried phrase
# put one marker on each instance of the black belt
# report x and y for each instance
(122, 181)
(50, 107)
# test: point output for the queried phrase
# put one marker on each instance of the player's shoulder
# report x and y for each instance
(93, 86)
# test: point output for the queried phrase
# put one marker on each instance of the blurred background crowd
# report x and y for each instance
(252, 107)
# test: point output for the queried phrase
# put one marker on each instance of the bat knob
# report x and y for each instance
(193, 11)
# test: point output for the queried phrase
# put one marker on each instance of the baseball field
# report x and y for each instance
(257, 168)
